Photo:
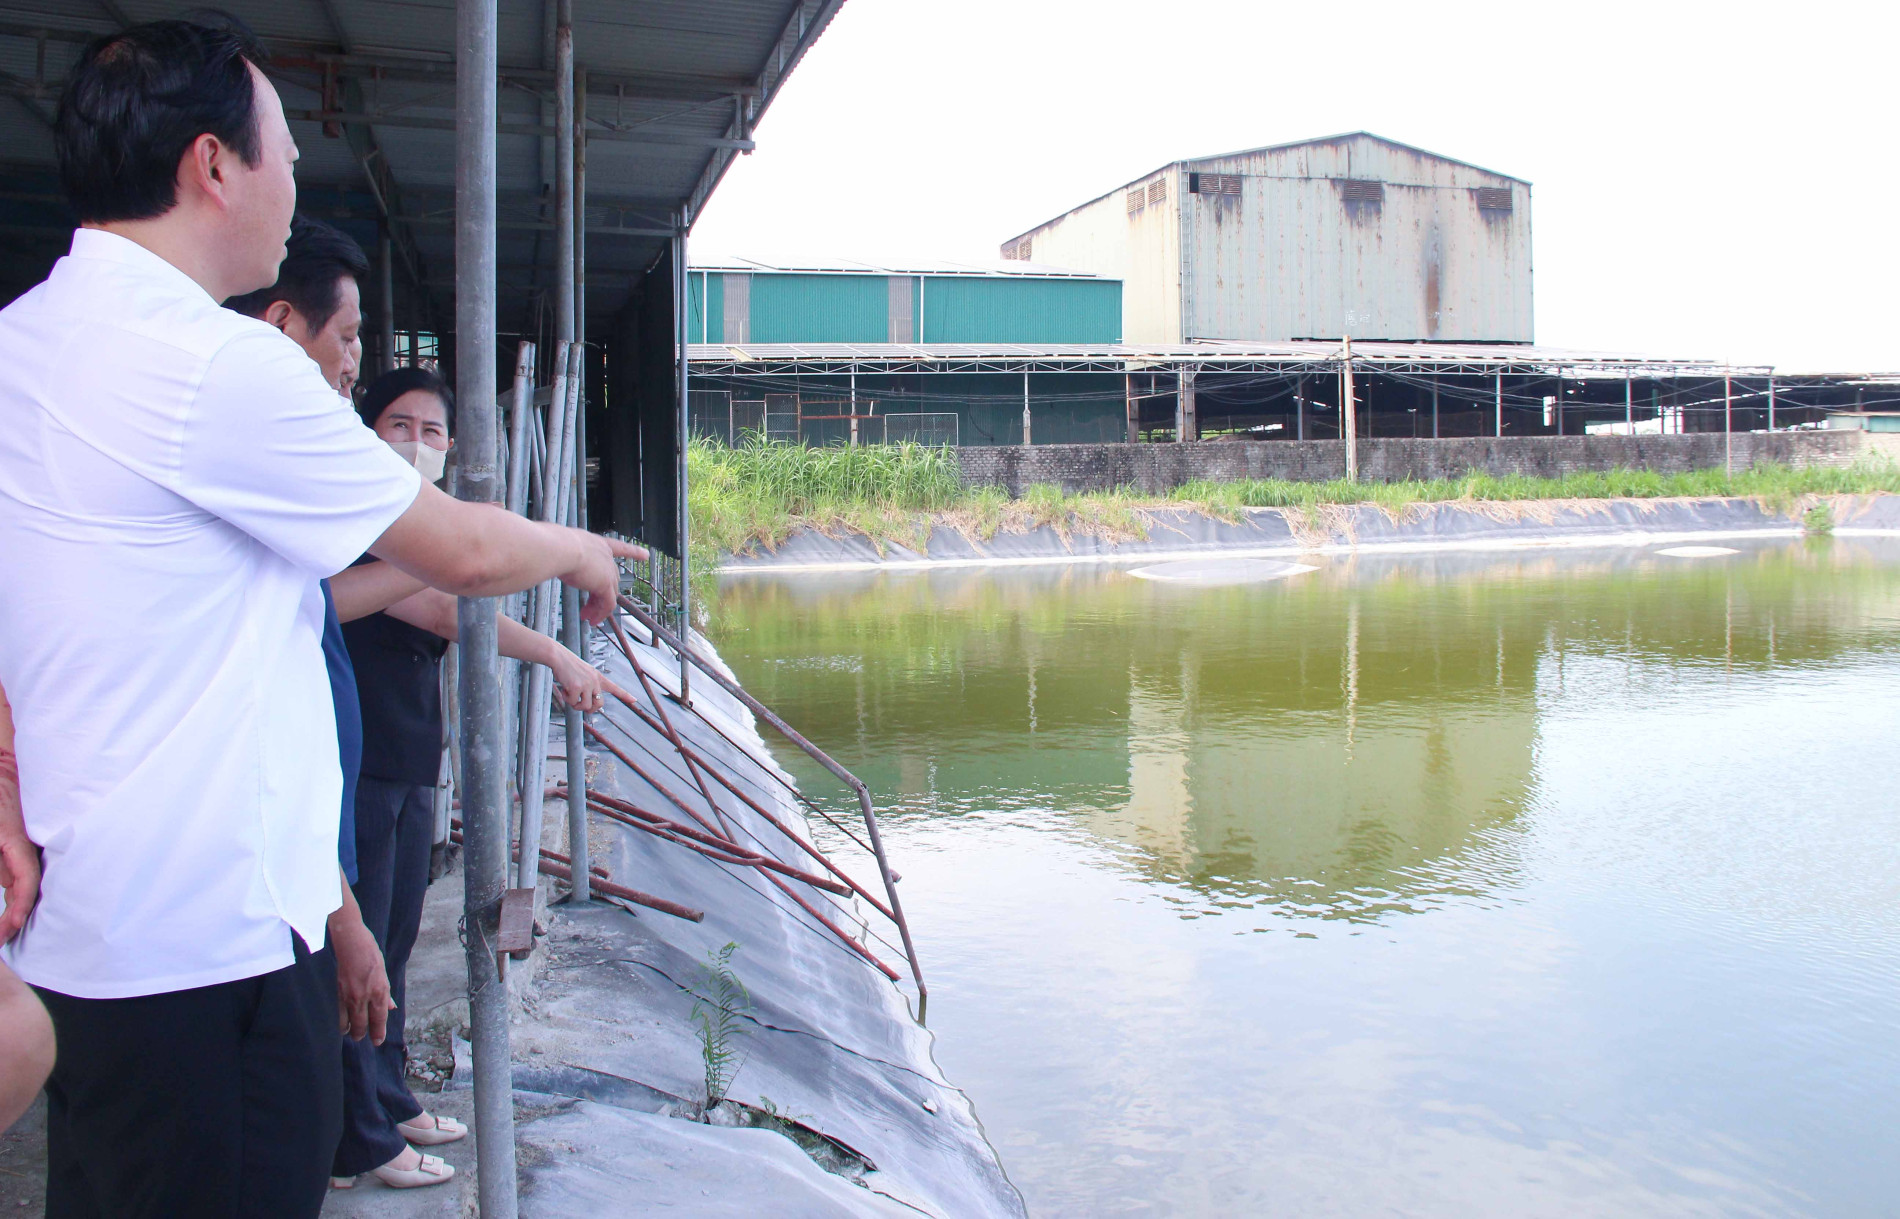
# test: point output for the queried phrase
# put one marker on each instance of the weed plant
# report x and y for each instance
(716, 1014)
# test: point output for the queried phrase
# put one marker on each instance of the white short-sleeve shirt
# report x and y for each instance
(174, 480)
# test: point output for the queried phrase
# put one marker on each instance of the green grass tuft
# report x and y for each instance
(759, 494)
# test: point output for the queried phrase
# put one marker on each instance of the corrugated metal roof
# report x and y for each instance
(852, 266)
(663, 127)
(1448, 358)
(1344, 136)
(1325, 139)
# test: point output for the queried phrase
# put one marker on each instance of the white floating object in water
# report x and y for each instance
(1213, 571)
(1697, 552)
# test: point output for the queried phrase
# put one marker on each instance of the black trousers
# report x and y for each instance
(217, 1101)
(394, 825)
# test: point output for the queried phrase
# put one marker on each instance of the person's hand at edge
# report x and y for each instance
(596, 572)
(579, 682)
(362, 985)
(19, 856)
(20, 877)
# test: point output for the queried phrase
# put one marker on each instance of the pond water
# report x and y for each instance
(1538, 883)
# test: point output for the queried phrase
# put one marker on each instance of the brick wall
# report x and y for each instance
(1155, 468)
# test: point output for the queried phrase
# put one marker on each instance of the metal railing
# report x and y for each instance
(705, 771)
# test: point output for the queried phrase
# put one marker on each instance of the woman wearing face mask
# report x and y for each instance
(397, 655)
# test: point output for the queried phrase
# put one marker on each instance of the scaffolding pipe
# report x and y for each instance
(574, 640)
(679, 452)
(557, 507)
(1349, 412)
(519, 444)
(579, 520)
(386, 308)
(564, 171)
(532, 769)
(484, 810)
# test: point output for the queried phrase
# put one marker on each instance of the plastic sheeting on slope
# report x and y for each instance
(1180, 532)
(585, 1160)
(829, 1040)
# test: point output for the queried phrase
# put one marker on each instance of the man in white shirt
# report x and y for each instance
(174, 478)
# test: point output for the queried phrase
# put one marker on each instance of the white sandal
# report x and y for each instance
(429, 1170)
(432, 1129)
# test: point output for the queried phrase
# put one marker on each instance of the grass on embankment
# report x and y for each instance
(759, 495)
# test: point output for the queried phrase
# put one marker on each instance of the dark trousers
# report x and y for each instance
(217, 1101)
(394, 825)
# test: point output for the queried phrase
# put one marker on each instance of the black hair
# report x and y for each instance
(399, 381)
(316, 258)
(136, 101)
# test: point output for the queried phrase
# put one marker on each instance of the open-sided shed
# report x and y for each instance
(665, 97)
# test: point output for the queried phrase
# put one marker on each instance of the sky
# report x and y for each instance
(1707, 180)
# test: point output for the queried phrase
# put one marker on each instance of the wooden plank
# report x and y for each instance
(516, 936)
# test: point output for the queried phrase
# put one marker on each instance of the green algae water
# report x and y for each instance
(1533, 883)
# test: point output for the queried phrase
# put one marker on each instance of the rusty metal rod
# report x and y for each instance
(621, 810)
(557, 866)
(818, 755)
(774, 775)
(776, 824)
(608, 888)
(639, 671)
(832, 927)
(671, 796)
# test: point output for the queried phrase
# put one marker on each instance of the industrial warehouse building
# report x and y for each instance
(1347, 235)
(1223, 297)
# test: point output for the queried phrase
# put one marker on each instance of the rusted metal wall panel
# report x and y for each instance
(1350, 235)
(1357, 236)
(1131, 234)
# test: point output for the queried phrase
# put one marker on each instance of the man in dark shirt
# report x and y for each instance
(317, 302)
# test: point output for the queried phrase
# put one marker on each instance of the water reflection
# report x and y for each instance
(1517, 884)
(1332, 744)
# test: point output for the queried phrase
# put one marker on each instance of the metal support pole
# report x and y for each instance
(1498, 402)
(574, 640)
(1629, 403)
(1299, 409)
(1728, 425)
(1349, 413)
(1434, 408)
(1771, 404)
(484, 817)
(557, 505)
(1028, 436)
(579, 518)
(386, 308)
(563, 175)
(854, 410)
(1186, 423)
(518, 441)
(679, 457)
(1134, 408)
